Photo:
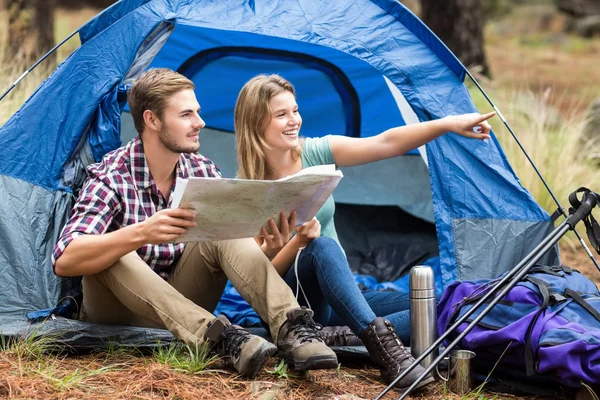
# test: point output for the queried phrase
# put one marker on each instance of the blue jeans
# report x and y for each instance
(335, 298)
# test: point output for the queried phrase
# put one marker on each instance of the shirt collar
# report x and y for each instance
(139, 166)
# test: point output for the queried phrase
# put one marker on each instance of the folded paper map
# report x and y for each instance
(239, 208)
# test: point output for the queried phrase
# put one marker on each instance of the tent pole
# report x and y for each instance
(560, 207)
(558, 231)
(52, 50)
(515, 275)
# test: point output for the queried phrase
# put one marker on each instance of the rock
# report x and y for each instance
(266, 390)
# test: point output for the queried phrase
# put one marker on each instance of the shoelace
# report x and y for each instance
(298, 284)
(232, 339)
(398, 352)
(336, 338)
(306, 329)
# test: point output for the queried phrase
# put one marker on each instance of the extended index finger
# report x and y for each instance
(484, 117)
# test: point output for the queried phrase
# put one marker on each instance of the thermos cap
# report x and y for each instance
(421, 278)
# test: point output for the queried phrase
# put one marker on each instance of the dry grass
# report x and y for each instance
(102, 376)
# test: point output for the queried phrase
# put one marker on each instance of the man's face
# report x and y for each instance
(181, 123)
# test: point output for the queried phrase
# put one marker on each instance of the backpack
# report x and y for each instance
(547, 326)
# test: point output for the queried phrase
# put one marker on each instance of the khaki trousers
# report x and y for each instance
(131, 293)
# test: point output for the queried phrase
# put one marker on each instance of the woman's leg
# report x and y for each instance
(328, 283)
(393, 306)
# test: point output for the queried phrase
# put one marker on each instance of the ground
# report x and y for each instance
(28, 373)
(522, 54)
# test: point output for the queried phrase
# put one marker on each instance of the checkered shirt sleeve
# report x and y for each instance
(92, 214)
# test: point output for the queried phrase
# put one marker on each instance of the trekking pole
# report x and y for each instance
(539, 174)
(493, 289)
(24, 74)
(589, 201)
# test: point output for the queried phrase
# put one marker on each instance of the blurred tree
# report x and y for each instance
(580, 8)
(30, 31)
(101, 4)
(459, 23)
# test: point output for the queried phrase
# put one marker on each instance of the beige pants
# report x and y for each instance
(130, 293)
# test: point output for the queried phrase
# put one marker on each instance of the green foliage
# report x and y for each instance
(280, 370)
(31, 347)
(184, 359)
(74, 379)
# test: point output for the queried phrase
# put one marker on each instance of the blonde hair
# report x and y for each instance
(151, 91)
(251, 117)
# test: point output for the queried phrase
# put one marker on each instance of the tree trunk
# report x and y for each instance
(580, 8)
(75, 4)
(459, 24)
(30, 30)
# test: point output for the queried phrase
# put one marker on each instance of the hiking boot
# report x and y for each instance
(247, 353)
(386, 349)
(301, 345)
(339, 336)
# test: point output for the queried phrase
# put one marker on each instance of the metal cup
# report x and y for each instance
(459, 379)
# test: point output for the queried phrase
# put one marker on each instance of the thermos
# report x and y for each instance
(423, 314)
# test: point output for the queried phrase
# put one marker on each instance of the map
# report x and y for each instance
(239, 208)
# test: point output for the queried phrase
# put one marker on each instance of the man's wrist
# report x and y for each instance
(138, 237)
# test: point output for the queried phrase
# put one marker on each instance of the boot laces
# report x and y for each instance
(393, 346)
(335, 337)
(306, 329)
(232, 339)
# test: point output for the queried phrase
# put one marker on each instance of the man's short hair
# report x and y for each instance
(151, 91)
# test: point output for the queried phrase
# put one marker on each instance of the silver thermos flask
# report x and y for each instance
(423, 314)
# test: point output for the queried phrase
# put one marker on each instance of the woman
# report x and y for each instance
(267, 125)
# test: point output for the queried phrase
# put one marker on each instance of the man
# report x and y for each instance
(118, 231)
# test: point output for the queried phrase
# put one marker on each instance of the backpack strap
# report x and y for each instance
(546, 294)
(581, 301)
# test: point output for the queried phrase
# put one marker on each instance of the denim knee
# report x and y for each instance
(325, 245)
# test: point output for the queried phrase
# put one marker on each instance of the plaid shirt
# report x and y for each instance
(120, 191)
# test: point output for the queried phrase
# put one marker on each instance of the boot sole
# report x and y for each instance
(316, 362)
(258, 360)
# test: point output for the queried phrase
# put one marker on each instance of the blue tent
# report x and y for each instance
(359, 68)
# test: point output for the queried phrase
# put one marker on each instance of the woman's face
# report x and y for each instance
(282, 131)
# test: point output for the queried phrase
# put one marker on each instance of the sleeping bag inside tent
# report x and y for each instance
(359, 68)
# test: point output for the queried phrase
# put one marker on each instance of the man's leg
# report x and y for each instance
(197, 278)
(253, 275)
(130, 293)
(130, 289)
(250, 272)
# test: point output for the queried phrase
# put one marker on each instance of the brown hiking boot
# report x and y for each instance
(339, 336)
(386, 349)
(247, 353)
(300, 345)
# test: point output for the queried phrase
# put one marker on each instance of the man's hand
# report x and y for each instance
(167, 225)
(273, 243)
(308, 231)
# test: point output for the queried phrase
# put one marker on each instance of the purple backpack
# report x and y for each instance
(548, 325)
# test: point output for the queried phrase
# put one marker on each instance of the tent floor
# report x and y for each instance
(83, 337)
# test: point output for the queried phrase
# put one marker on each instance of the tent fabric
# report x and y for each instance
(369, 58)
